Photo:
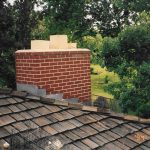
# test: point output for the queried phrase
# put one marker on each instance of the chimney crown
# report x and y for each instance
(56, 42)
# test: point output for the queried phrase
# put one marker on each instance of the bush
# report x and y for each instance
(128, 55)
(93, 43)
(7, 45)
(92, 70)
(106, 79)
(144, 110)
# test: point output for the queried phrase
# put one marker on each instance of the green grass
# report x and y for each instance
(98, 81)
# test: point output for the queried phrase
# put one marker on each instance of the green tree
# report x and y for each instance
(39, 32)
(25, 19)
(67, 17)
(16, 23)
(129, 56)
(141, 7)
(86, 17)
(7, 31)
(109, 18)
(143, 18)
(135, 5)
(93, 43)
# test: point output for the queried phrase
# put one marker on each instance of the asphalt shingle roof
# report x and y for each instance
(76, 129)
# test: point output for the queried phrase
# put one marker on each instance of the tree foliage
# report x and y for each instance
(6, 44)
(109, 18)
(16, 23)
(67, 17)
(129, 56)
(135, 5)
(25, 20)
(93, 43)
(86, 17)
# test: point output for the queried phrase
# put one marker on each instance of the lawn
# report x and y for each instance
(98, 81)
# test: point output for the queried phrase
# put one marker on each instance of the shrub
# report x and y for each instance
(144, 110)
(93, 43)
(92, 70)
(106, 79)
(128, 55)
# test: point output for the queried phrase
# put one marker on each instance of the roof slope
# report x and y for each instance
(75, 129)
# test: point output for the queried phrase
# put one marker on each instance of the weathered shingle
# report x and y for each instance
(4, 102)
(50, 130)
(3, 133)
(4, 120)
(74, 128)
(41, 121)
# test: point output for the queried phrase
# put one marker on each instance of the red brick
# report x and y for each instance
(53, 78)
(49, 68)
(70, 69)
(50, 82)
(58, 89)
(52, 63)
(45, 64)
(25, 64)
(64, 77)
(18, 68)
(41, 68)
(44, 79)
(46, 86)
(44, 71)
(19, 64)
(57, 67)
(66, 72)
(74, 93)
(69, 62)
(62, 70)
(58, 81)
(67, 86)
(35, 65)
(37, 60)
(20, 78)
(62, 84)
(65, 59)
(54, 71)
(57, 59)
(39, 83)
(55, 85)
(48, 60)
(64, 66)
(35, 57)
(50, 89)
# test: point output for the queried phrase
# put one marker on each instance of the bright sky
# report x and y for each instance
(11, 1)
(37, 8)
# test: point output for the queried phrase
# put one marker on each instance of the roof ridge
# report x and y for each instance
(42, 99)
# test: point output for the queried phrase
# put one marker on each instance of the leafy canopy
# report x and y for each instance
(7, 27)
(129, 56)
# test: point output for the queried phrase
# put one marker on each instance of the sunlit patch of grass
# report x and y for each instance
(99, 81)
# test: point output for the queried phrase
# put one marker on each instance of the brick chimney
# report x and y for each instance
(54, 67)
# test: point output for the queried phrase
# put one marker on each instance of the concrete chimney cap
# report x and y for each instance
(56, 42)
(55, 38)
